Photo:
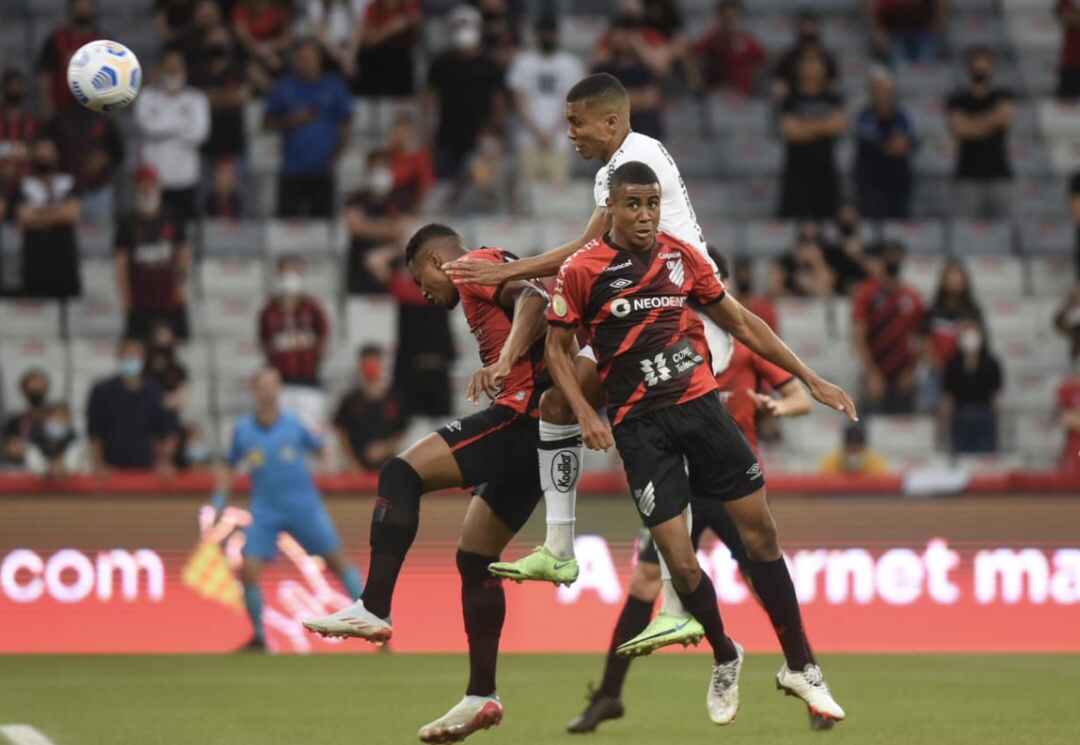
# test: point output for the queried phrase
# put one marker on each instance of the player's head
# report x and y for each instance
(34, 385)
(730, 12)
(379, 178)
(172, 70)
(954, 286)
(634, 205)
(292, 270)
(721, 262)
(82, 12)
(890, 260)
(46, 156)
(266, 388)
(547, 34)
(13, 87)
(980, 63)
(430, 247)
(597, 115)
(147, 191)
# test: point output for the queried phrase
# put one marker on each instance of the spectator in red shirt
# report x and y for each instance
(414, 168)
(18, 128)
(264, 28)
(293, 333)
(152, 262)
(81, 28)
(732, 56)
(385, 61)
(759, 304)
(906, 30)
(887, 314)
(1068, 405)
(1068, 14)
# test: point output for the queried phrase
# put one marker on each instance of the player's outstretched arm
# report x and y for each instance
(224, 476)
(560, 348)
(478, 271)
(529, 304)
(731, 316)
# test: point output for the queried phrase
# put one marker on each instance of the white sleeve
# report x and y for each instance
(155, 122)
(516, 76)
(600, 188)
(198, 127)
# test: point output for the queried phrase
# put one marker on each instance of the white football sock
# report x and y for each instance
(672, 604)
(560, 467)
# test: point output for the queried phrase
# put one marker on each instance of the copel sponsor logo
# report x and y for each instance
(622, 307)
(70, 576)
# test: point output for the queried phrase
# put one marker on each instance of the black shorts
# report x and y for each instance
(694, 448)
(496, 452)
(140, 322)
(708, 514)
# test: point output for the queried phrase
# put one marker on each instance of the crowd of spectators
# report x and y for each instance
(488, 118)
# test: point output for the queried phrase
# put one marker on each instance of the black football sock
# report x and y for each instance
(701, 604)
(773, 584)
(393, 529)
(635, 616)
(483, 604)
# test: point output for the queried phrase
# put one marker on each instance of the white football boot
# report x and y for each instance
(723, 698)
(810, 686)
(353, 621)
(471, 714)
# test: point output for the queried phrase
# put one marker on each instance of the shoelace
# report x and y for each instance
(812, 674)
(723, 677)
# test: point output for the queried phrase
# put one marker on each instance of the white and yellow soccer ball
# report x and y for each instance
(104, 76)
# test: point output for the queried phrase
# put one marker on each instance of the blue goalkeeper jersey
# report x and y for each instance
(276, 458)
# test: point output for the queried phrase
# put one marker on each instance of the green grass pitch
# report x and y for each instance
(383, 699)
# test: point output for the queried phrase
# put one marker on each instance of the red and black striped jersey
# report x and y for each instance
(490, 322)
(649, 345)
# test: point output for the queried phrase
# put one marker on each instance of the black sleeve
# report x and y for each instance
(11, 428)
(114, 143)
(341, 417)
(180, 228)
(1074, 184)
(997, 376)
(952, 374)
(47, 57)
(124, 240)
(160, 427)
(95, 412)
(436, 73)
(401, 421)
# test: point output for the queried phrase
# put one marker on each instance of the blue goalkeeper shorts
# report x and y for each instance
(310, 524)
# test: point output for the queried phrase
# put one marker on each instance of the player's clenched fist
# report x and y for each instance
(596, 433)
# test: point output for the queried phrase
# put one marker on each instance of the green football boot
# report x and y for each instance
(663, 631)
(539, 566)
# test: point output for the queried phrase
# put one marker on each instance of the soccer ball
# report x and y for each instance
(104, 76)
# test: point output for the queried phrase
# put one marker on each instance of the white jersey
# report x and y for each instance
(677, 216)
(543, 80)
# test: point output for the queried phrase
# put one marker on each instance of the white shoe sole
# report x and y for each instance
(489, 715)
(814, 711)
(336, 628)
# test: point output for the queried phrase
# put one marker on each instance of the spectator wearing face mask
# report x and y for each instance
(173, 120)
(954, 302)
(887, 315)
(539, 81)
(92, 150)
(47, 209)
(411, 160)
(293, 332)
(20, 428)
(56, 52)
(223, 199)
(152, 261)
(377, 219)
(854, 457)
(221, 77)
(464, 92)
(18, 129)
(127, 423)
(804, 271)
(973, 383)
(171, 376)
(371, 421)
(54, 449)
(760, 304)
(194, 450)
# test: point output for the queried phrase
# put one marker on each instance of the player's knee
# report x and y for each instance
(646, 582)
(399, 482)
(555, 409)
(685, 570)
(473, 568)
(396, 517)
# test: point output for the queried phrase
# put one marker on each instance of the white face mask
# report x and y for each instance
(970, 341)
(465, 37)
(380, 180)
(173, 83)
(291, 283)
(147, 204)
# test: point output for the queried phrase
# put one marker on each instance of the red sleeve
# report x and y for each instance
(773, 376)
(754, 49)
(568, 302)
(707, 39)
(860, 304)
(706, 288)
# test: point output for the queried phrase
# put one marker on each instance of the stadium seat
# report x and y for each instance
(733, 114)
(232, 276)
(232, 316)
(720, 233)
(768, 237)
(996, 276)
(555, 231)
(232, 394)
(1033, 30)
(1010, 317)
(253, 118)
(199, 403)
(1038, 71)
(1051, 277)
(1029, 158)
(578, 33)
(98, 276)
(236, 356)
(756, 197)
(1044, 197)
(19, 355)
(516, 235)
(971, 30)
(815, 435)
(843, 33)
(696, 158)
(371, 320)
(32, 319)
(1030, 392)
(901, 436)
(1048, 238)
(750, 155)
(304, 237)
(802, 318)
(196, 356)
(96, 315)
(233, 237)
(569, 200)
(929, 116)
(324, 281)
(936, 80)
(981, 237)
(264, 153)
(685, 117)
(918, 236)
(95, 242)
(923, 272)
(1039, 438)
(93, 357)
(775, 32)
(1019, 7)
(936, 157)
(712, 198)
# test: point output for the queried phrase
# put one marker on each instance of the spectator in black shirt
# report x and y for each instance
(54, 448)
(152, 261)
(371, 420)
(20, 428)
(389, 33)
(376, 216)
(126, 418)
(640, 81)
(171, 376)
(885, 138)
(979, 118)
(973, 383)
(807, 39)
(92, 150)
(812, 118)
(465, 88)
(47, 209)
(223, 199)
(221, 77)
(173, 20)
(953, 304)
(56, 52)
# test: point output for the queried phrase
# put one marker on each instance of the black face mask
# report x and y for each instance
(84, 21)
(35, 398)
(808, 37)
(43, 167)
(547, 46)
(217, 52)
(846, 229)
(892, 268)
(980, 77)
(744, 287)
(14, 97)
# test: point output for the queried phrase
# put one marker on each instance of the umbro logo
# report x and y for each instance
(754, 471)
(621, 283)
(646, 499)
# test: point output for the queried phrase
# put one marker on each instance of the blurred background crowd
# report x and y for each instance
(897, 183)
